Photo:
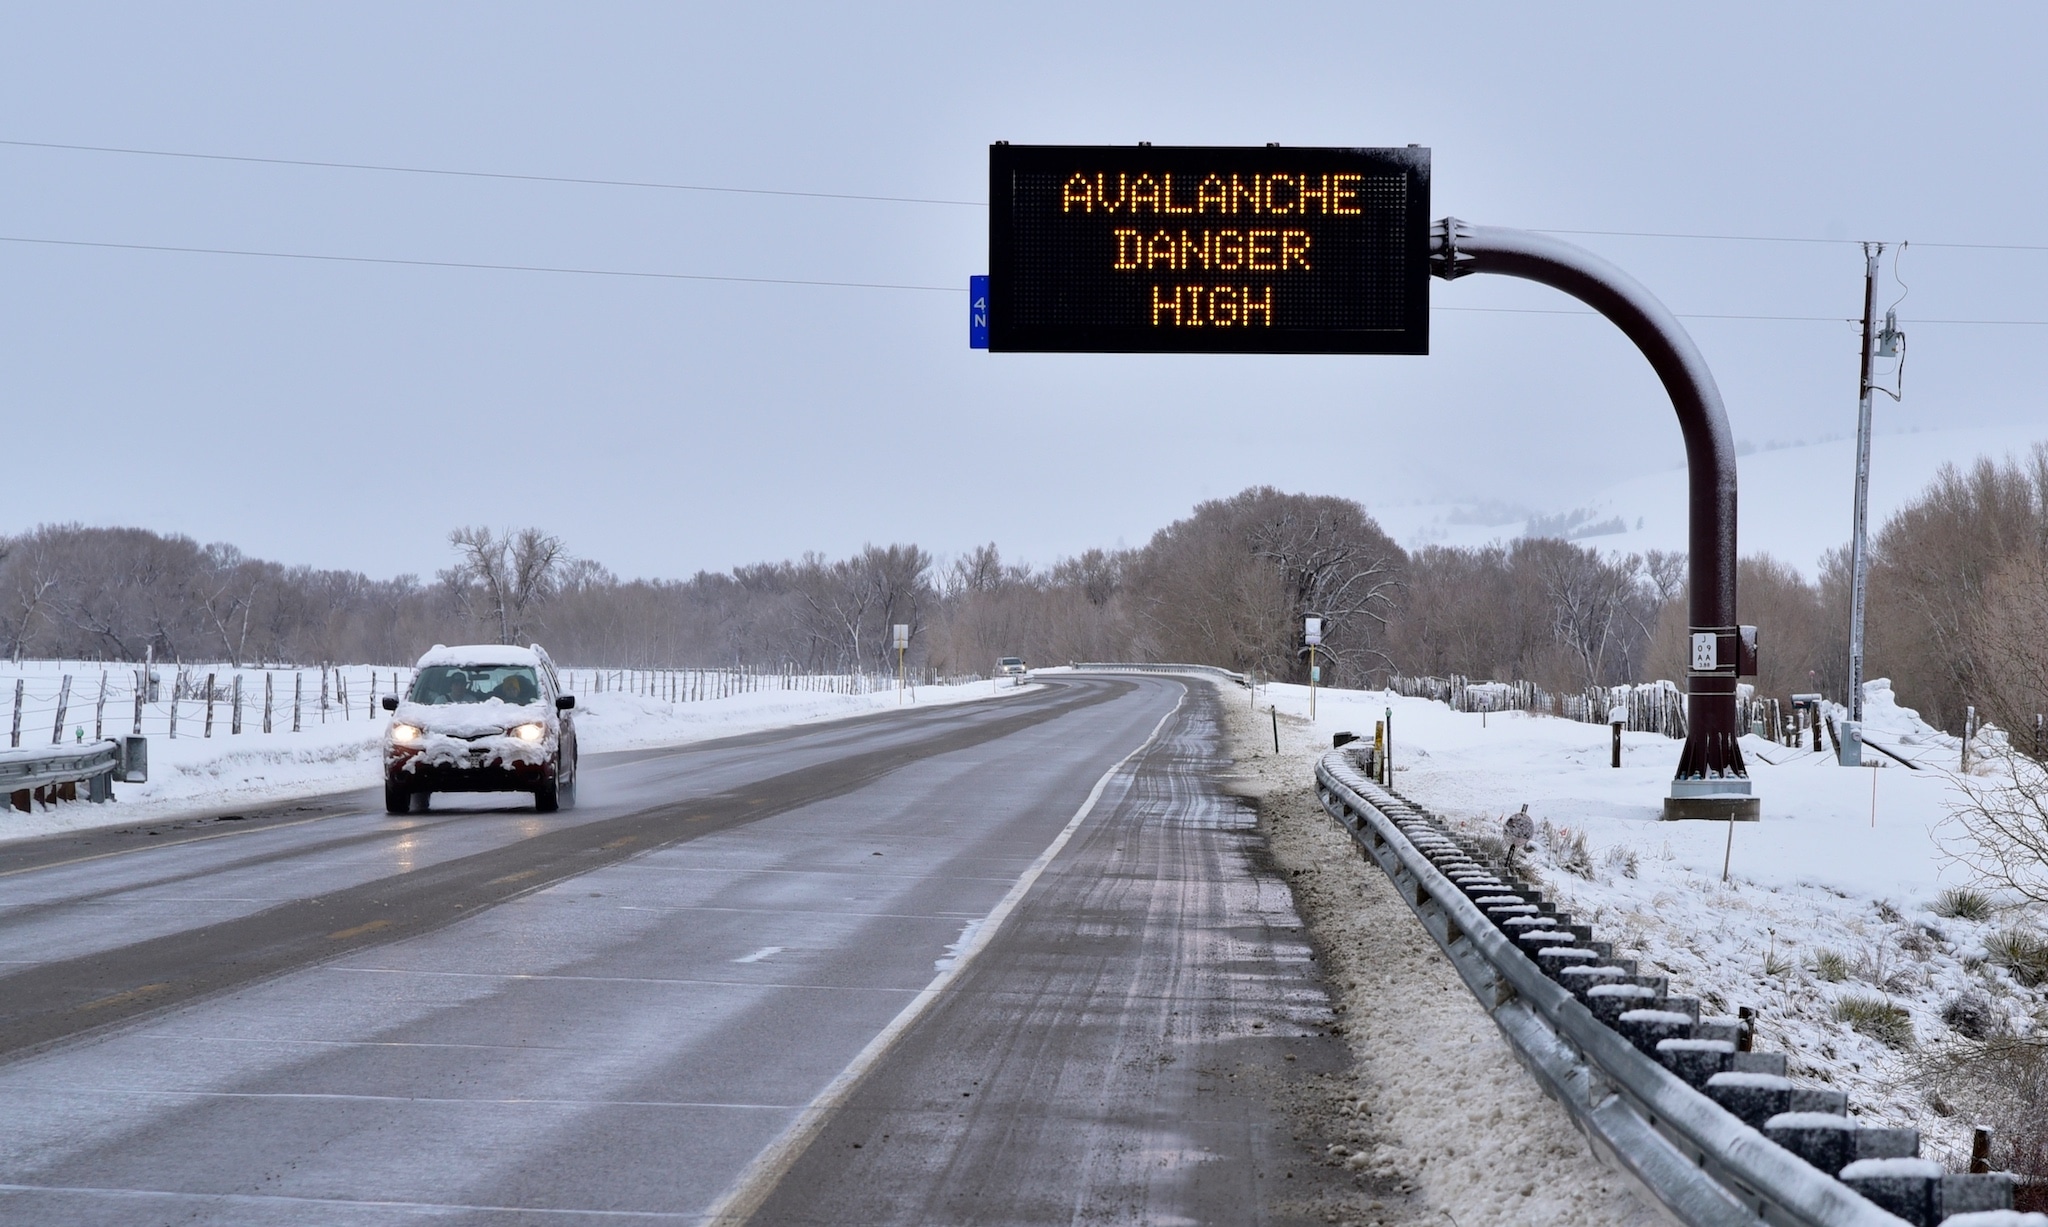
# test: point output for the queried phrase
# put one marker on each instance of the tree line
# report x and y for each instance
(1957, 611)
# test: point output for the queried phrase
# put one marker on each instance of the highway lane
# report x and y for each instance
(612, 1015)
(98, 928)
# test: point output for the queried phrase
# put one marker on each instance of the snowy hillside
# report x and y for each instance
(1795, 501)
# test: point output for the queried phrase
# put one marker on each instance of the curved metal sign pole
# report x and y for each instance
(1711, 781)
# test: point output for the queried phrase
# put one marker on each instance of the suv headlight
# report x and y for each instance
(404, 733)
(530, 732)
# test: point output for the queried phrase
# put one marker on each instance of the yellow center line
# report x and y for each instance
(344, 934)
(130, 995)
(521, 876)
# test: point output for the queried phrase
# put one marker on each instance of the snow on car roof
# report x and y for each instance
(479, 654)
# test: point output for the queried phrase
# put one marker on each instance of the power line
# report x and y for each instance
(656, 185)
(470, 264)
(1779, 238)
(487, 174)
(570, 270)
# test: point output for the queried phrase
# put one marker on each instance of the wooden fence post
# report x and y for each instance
(323, 697)
(64, 706)
(177, 684)
(298, 692)
(209, 704)
(141, 692)
(235, 708)
(18, 685)
(268, 691)
(99, 710)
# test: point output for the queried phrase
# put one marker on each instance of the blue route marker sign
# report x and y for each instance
(977, 312)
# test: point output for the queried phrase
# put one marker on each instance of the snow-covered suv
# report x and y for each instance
(481, 718)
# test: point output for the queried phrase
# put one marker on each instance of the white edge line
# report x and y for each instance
(738, 1203)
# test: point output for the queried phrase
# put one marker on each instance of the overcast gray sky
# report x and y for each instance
(349, 414)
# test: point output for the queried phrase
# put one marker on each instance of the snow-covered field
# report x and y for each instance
(194, 774)
(1846, 864)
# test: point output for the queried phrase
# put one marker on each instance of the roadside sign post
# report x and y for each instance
(902, 646)
(1312, 631)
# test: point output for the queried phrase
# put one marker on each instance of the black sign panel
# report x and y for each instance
(1194, 249)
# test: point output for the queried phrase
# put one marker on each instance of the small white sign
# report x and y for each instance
(1312, 630)
(902, 637)
(1706, 650)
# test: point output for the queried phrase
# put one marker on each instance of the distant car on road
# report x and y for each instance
(481, 718)
(1011, 666)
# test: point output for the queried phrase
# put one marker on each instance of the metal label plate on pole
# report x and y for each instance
(1208, 249)
(977, 312)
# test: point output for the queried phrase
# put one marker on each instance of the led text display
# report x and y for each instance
(1247, 250)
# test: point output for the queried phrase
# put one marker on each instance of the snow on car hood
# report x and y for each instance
(470, 719)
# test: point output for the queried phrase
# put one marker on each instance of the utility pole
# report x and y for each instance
(1859, 554)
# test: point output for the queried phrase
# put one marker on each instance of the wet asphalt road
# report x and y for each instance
(630, 1012)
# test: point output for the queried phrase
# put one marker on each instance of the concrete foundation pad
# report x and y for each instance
(1714, 809)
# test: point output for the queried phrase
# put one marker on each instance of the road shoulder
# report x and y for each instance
(1435, 1104)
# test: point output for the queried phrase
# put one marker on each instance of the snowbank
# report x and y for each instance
(1837, 880)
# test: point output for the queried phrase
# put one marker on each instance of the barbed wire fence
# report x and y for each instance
(56, 701)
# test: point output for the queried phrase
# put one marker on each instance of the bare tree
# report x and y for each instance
(503, 577)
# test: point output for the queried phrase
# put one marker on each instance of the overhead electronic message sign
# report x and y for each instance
(1208, 249)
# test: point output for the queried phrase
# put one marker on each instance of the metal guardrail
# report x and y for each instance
(97, 765)
(1705, 1167)
(1133, 667)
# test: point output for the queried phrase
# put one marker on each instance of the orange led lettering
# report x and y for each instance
(1305, 192)
(1172, 305)
(1143, 190)
(1216, 306)
(1126, 242)
(1273, 203)
(1244, 197)
(1162, 250)
(1263, 305)
(1102, 192)
(1293, 246)
(1166, 204)
(1212, 192)
(1075, 192)
(1261, 247)
(1229, 250)
(1190, 251)
(1345, 183)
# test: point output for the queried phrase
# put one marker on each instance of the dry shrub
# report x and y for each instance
(1999, 825)
(2002, 1083)
(2022, 952)
(1962, 903)
(1567, 849)
(1877, 1018)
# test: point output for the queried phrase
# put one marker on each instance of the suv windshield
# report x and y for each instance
(438, 684)
(1010, 660)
